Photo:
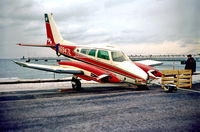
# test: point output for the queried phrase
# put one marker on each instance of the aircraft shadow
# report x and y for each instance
(35, 94)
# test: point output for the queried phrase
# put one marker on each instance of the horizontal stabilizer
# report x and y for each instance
(36, 45)
(56, 69)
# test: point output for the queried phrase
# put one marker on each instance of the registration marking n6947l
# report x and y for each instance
(64, 50)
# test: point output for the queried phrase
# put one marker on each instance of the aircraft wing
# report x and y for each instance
(150, 62)
(49, 68)
(82, 70)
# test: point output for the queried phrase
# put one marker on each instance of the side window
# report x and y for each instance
(77, 50)
(84, 51)
(92, 52)
(118, 56)
(103, 54)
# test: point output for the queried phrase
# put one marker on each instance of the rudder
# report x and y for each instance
(53, 34)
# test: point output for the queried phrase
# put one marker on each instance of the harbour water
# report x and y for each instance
(10, 70)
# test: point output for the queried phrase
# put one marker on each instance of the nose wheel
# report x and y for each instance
(76, 83)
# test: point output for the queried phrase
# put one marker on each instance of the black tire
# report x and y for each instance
(170, 89)
(76, 84)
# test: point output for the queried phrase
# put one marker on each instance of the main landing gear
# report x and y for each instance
(76, 83)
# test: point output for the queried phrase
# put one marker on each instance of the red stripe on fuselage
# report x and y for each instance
(105, 66)
(112, 68)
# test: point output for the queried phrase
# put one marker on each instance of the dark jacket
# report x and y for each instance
(191, 64)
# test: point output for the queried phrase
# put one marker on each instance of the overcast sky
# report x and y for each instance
(136, 26)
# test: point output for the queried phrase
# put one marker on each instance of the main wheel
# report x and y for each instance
(76, 83)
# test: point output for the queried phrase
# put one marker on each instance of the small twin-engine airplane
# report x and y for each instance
(104, 64)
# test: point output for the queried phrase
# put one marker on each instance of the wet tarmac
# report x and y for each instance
(43, 107)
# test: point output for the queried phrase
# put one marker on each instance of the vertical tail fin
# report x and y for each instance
(53, 35)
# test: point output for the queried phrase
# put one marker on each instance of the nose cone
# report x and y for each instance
(133, 69)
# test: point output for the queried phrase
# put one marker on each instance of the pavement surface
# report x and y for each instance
(43, 107)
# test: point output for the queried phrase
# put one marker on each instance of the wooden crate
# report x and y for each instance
(178, 78)
(185, 79)
(169, 77)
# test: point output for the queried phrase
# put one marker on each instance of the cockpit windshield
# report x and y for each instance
(118, 56)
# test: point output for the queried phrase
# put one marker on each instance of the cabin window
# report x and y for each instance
(84, 51)
(103, 54)
(92, 52)
(118, 56)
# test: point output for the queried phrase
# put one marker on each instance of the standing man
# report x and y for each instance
(190, 63)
